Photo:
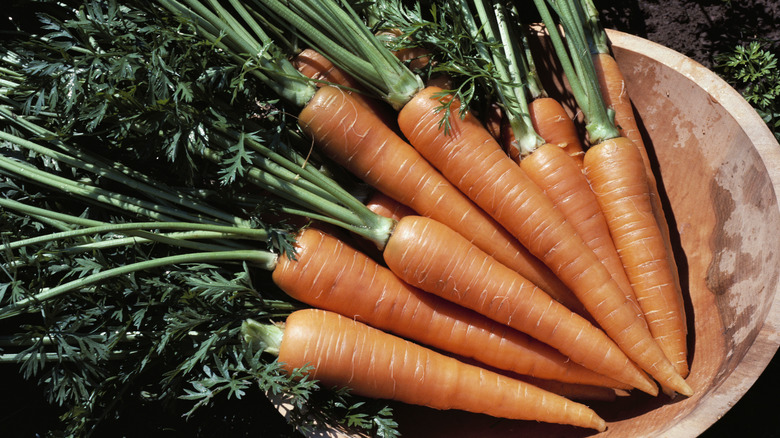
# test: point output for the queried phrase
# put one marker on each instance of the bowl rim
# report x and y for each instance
(765, 346)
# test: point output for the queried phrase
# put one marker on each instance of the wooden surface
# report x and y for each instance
(719, 170)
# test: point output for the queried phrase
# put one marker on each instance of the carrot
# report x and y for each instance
(347, 353)
(556, 168)
(548, 146)
(476, 281)
(617, 174)
(614, 169)
(360, 142)
(544, 139)
(469, 156)
(561, 179)
(616, 96)
(555, 126)
(382, 204)
(328, 274)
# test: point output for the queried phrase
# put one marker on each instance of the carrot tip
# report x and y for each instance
(648, 387)
(678, 386)
(684, 388)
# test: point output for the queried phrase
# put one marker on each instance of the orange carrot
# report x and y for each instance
(329, 274)
(616, 96)
(608, 78)
(382, 204)
(561, 179)
(579, 20)
(615, 171)
(554, 162)
(540, 135)
(347, 353)
(361, 143)
(469, 156)
(476, 281)
(554, 125)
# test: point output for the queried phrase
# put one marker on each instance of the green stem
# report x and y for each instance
(597, 37)
(263, 259)
(140, 236)
(49, 214)
(276, 72)
(216, 230)
(561, 51)
(578, 67)
(336, 31)
(347, 213)
(96, 194)
(113, 171)
(511, 84)
(265, 337)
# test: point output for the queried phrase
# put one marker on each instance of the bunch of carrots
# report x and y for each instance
(529, 236)
(514, 262)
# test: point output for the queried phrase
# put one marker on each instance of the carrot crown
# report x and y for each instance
(241, 35)
(575, 58)
(516, 80)
(264, 337)
(335, 30)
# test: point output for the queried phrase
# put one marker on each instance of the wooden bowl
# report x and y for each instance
(719, 170)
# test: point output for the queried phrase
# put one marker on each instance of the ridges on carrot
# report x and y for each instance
(474, 280)
(347, 353)
(502, 189)
(328, 274)
(646, 260)
(361, 143)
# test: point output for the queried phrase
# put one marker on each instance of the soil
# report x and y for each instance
(701, 30)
